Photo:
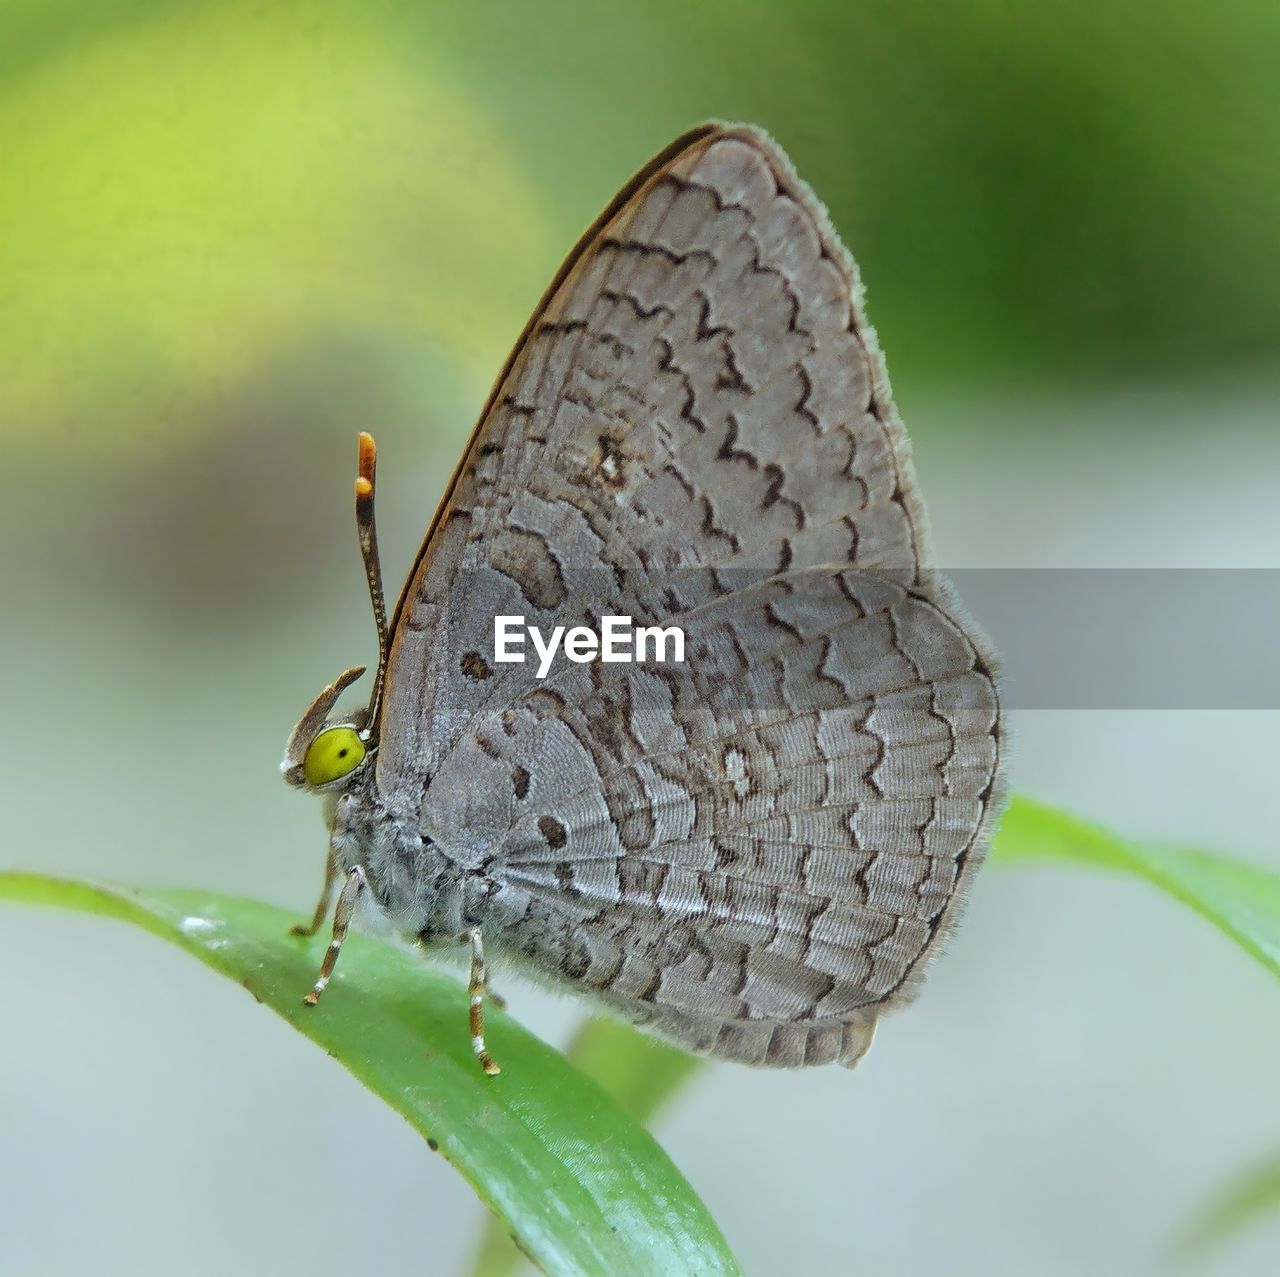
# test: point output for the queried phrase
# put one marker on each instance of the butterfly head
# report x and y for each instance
(325, 753)
(326, 750)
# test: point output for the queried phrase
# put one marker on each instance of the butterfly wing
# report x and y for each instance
(697, 387)
(756, 850)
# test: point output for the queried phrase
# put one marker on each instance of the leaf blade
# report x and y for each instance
(640, 1072)
(1247, 1200)
(1240, 899)
(582, 1187)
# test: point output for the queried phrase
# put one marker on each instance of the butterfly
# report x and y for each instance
(754, 852)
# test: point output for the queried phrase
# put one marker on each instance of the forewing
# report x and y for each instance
(698, 387)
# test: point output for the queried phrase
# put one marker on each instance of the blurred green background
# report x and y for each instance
(233, 234)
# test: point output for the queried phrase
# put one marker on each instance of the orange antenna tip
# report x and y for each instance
(366, 530)
(368, 456)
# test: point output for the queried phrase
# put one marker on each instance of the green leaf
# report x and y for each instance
(640, 1072)
(1240, 899)
(581, 1186)
(1245, 1201)
(545, 1148)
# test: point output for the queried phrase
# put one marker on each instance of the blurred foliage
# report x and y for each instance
(200, 197)
(1249, 1199)
(1240, 899)
(232, 234)
(642, 1073)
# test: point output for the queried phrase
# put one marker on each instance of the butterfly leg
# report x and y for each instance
(322, 905)
(476, 988)
(351, 890)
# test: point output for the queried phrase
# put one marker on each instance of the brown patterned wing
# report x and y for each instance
(757, 850)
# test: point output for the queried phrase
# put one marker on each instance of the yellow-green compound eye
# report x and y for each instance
(332, 754)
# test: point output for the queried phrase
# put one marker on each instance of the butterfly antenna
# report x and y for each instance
(367, 530)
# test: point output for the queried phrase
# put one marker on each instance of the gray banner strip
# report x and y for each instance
(1141, 638)
(1069, 638)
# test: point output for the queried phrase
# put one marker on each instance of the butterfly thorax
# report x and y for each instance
(412, 878)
